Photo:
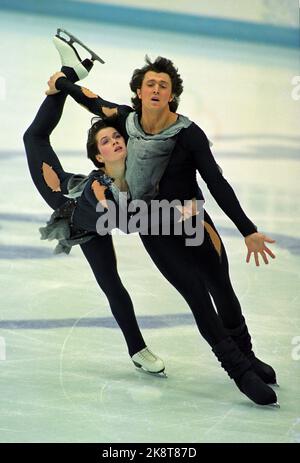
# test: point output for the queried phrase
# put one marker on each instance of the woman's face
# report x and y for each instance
(156, 90)
(111, 145)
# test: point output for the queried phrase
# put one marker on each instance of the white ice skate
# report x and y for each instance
(69, 55)
(149, 362)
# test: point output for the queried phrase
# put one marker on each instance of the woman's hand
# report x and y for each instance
(256, 244)
(52, 90)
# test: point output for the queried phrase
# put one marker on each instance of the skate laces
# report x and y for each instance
(147, 354)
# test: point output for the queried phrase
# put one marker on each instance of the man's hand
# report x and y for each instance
(188, 210)
(256, 244)
(52, 90)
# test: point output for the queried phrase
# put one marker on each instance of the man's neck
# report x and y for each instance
(154, 122)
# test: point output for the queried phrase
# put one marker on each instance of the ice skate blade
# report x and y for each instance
(274, 405)
(74, 39)
(159, 374)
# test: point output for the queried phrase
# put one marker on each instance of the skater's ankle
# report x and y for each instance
(134, 351)
(70, 74)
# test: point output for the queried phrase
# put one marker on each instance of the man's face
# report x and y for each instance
(156, 90)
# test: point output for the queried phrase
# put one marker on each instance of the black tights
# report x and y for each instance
(196, 272)
(99, 251)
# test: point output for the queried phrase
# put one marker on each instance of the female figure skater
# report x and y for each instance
(196, 272)
(75, 220)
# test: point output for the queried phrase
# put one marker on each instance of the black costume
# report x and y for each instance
(197, 272)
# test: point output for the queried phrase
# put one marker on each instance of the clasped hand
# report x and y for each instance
(52, 90)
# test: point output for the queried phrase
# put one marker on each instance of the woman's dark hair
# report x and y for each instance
(98, 124)
(159, 65)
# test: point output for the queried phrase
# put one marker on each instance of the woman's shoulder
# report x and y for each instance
(100, 176)
(98, 186)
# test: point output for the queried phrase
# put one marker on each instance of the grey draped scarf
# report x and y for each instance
(148, 156)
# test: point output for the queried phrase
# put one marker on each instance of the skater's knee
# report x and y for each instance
(27, 137)
(32, 146)
(113, 289)
(34, 135)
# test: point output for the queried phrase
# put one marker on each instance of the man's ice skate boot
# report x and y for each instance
(239, 368)
(70, 57)
(149, 362)
(242, 338)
